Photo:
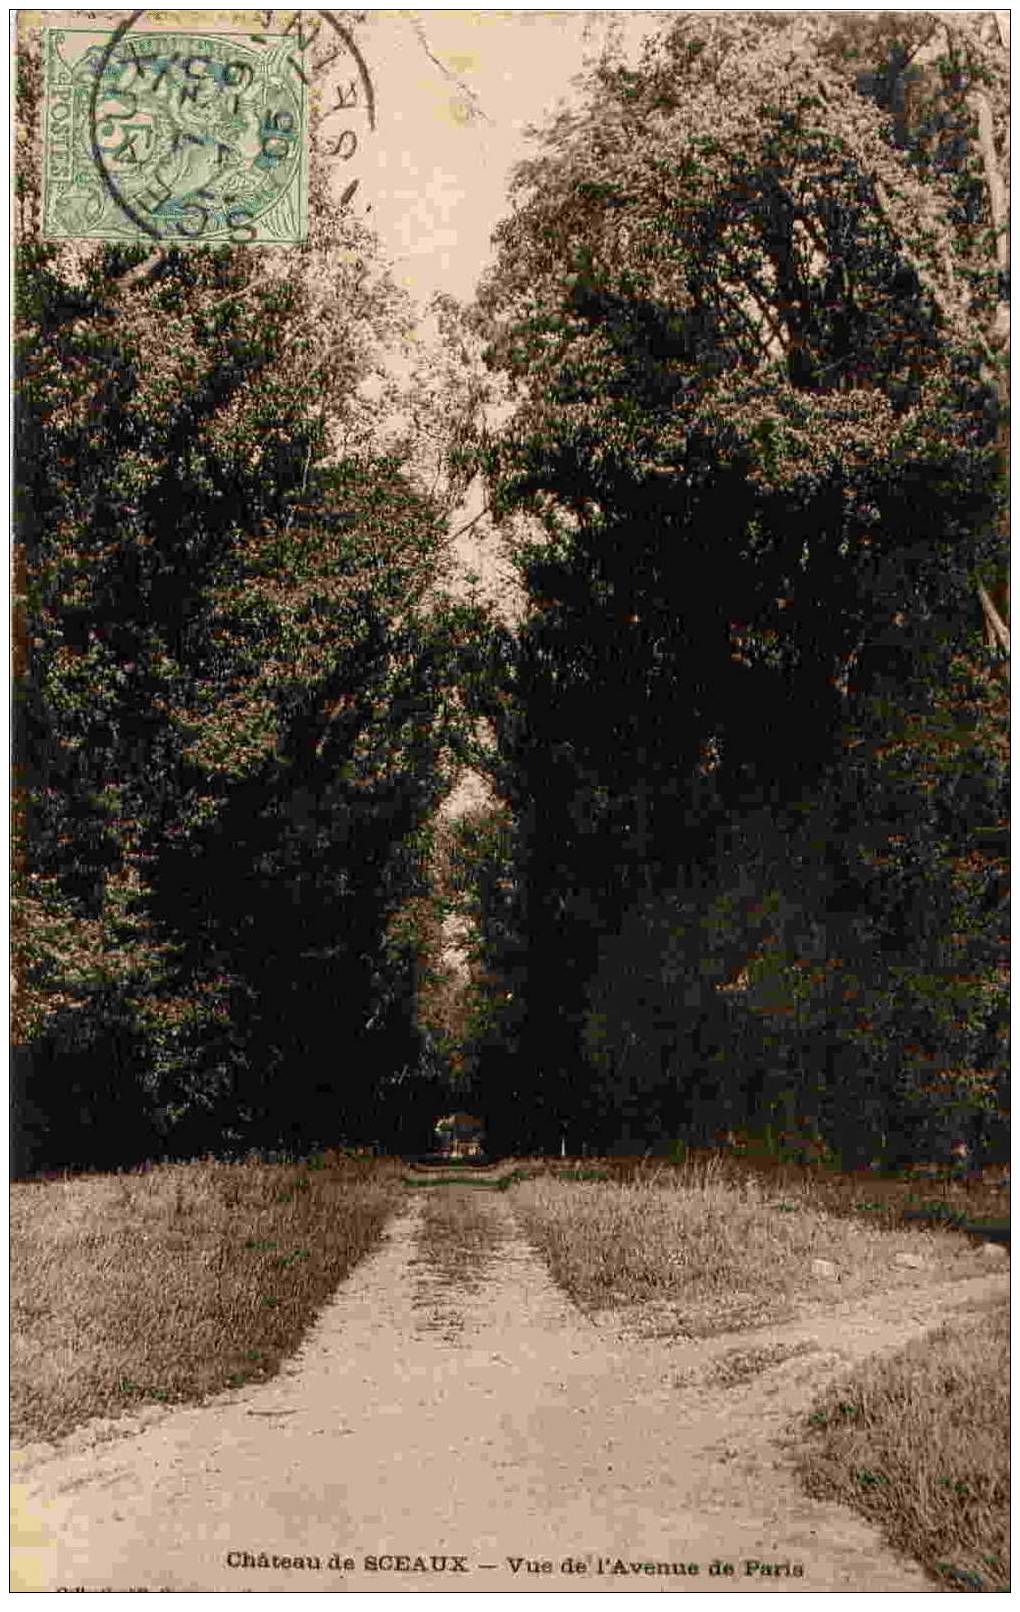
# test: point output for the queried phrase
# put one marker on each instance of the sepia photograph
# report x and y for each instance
(509, 805)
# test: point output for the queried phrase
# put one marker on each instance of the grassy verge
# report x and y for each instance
(478, 1183)
(507, 1177)
(919, 1442)
(457, 1239)
(715, 1249)
(884, 1200)
(175, 1282)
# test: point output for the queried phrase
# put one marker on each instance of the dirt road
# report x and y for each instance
(453, 1423)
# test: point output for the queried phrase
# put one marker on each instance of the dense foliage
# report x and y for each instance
(753, 741)
(742, 860)
(234, 708)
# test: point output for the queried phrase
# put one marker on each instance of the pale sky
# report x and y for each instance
(436, 170)
(454, 93)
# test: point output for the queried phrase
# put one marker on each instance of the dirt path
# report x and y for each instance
(452, 1403)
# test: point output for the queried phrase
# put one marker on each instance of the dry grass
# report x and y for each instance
(740, 1366)
(976, 1205)
(919, 1442)
(457, 1240)
(882, 1199)
(705, 1250)
(175, 1282)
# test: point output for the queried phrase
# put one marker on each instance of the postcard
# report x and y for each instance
(510, 691)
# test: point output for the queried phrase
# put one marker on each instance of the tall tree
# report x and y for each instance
(757, 424)
(235, 699)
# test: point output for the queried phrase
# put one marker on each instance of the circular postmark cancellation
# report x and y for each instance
(190, 134)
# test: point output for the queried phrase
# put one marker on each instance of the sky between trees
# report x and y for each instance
(733, 389)
(456, 91)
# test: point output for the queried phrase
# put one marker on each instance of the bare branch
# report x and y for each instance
(468, 525)
(141, 271)
(996, 204)
(993, 179)
(998, 632)
(475, 109)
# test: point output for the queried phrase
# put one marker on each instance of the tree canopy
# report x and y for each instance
(235, 707)
(749, 308)
(742, 859)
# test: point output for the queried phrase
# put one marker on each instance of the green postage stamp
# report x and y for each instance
(174, 136)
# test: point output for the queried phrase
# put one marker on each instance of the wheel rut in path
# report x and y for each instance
(451, 1401)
